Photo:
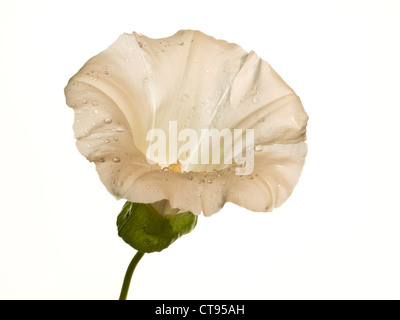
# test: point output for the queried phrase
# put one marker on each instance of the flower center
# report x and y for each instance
(175, 167)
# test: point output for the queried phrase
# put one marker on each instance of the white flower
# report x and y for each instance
(139, 84)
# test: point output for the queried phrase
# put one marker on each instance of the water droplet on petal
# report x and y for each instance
(84, 101)
(107, 120)
(95, 103)
(107, 141)
(148, 186)
(102, 160)
(190, 178)
(116, 160)
(119, 129)
(95, 111)
(156, 190)
(181, 43)
(116, 138)
(258, 148)
(256, 100)
(209, 180)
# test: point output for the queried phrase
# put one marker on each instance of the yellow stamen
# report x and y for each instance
(175, 167)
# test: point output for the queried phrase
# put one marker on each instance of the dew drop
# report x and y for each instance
(102, 160)
(107, 141)
(116, 160)
(148, 186)
(116, 138)
(181, 43)
(190, 178)
(107, 120)
(156, 190)
(258, 148)
(95, 111)
(119, 129)
(106, 72)
(209, 180)
(84, 101)
(198, 195)
(95, 103)
(165, 169)
(256, 100)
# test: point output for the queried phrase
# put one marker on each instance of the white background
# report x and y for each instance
(338, 235)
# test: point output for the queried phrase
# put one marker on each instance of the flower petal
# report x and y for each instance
(140, 83)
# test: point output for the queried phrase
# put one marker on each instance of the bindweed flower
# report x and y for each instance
(182, 125)
(143, 107)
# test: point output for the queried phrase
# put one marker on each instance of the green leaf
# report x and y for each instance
(146, 230)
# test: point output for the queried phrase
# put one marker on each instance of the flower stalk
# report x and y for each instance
(128, 275)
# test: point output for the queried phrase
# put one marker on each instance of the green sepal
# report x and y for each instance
(146, 230)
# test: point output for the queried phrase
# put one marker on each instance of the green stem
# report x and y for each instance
(128, 275)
